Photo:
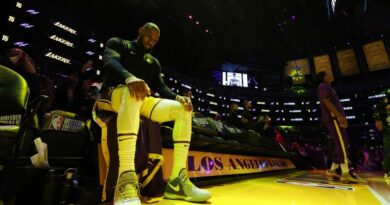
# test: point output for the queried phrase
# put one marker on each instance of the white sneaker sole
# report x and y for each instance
(188, 198)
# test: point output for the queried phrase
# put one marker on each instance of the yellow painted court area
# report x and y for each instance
(265, 190)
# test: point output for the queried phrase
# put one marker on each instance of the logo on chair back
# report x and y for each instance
(62, 123)
(56, 122)
(10, 119)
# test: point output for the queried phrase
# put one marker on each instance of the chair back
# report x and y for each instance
(14, 92)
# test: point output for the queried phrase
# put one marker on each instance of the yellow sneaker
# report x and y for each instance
(332, 174)
(126, 190)
(349, 178)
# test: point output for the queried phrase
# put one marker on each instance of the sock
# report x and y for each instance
(334, 167)
(344, 168)
(180, 153)
(126, 152)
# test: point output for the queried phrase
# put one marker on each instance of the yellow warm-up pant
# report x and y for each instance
(155, 109)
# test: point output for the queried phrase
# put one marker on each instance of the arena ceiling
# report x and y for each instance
(260, 34)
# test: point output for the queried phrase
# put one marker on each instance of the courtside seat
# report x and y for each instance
(66, 136)
(9, 131)
(14, 93)
(215, 136)
(203, 143)
(18, 126)
(199, 141)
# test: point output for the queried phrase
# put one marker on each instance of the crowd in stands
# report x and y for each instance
(74, 92)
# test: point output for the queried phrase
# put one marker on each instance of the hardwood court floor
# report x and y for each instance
(298, 188)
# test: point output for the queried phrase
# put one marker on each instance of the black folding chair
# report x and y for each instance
(16, 116)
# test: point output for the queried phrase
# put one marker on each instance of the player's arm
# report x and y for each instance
(332, 109)
(112, 55)
(112, 67)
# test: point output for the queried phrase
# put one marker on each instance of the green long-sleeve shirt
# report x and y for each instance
(123, 59)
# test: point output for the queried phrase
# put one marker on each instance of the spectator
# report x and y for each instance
(279, 139)
(84, 79)
(21, 62)
(232, 118)
(263, 126)
(278, 136)
(246, 118)
(74, 94)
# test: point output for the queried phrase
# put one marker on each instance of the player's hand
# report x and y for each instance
(186, 101)
(138, 88)
(342, 121)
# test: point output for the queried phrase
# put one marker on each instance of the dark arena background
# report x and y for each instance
(56, 132)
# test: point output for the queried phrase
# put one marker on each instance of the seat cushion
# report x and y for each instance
(8, 131)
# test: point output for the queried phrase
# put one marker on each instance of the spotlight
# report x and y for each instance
(5, 38)
(19, 5)
(11, 19)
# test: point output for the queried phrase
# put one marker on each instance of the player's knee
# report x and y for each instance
(125, 94)
(178, 111)
(123, 99)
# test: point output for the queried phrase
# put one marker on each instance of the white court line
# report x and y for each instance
(379, 197)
